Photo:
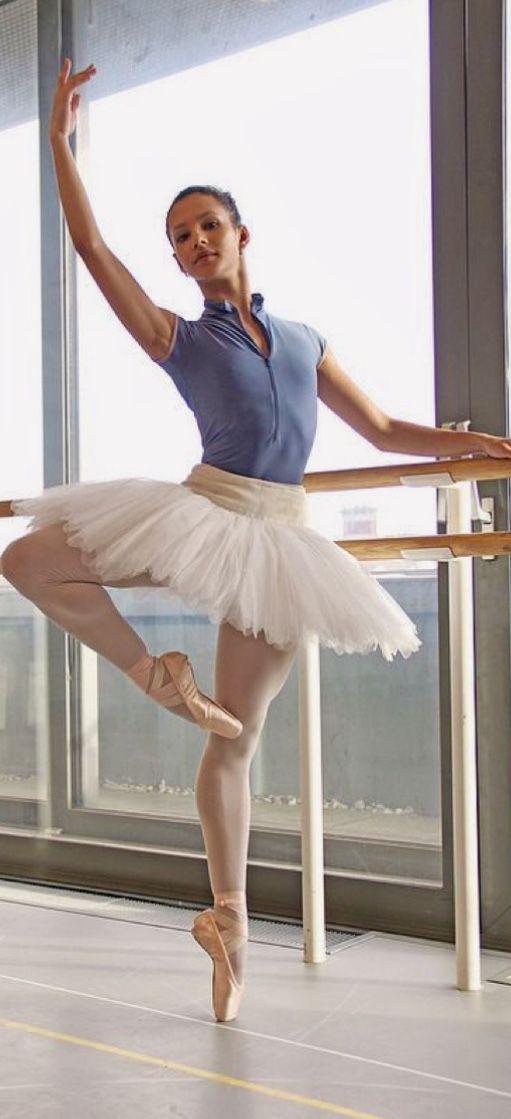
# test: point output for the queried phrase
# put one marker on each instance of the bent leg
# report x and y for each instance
(249, 674)
(59, 578)
(49, 571)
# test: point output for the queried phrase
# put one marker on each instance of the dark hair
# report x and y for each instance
(222, 196)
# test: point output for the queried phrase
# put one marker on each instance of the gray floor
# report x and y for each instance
(112, 1018)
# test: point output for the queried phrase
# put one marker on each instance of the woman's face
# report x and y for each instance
(200, 224)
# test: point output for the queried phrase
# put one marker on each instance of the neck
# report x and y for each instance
(235, 290)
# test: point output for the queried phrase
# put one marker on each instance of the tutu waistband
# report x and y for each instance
(255, 497)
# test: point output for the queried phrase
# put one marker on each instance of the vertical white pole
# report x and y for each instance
(45, 792)
(463, 734)
(89, 709)
(311, 789)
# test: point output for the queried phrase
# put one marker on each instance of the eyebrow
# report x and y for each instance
(184, 223)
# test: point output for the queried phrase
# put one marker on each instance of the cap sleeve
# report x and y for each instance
(319, 341)
(177, 364)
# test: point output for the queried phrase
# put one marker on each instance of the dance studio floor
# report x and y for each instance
(111, 1017)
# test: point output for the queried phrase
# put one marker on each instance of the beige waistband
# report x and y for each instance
(255, 497)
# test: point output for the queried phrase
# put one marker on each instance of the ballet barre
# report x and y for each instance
(456, 480)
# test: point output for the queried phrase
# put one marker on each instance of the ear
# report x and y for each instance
(244, 237)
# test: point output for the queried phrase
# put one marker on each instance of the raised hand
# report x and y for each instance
(66, 101)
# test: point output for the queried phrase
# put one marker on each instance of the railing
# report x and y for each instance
(458, 546)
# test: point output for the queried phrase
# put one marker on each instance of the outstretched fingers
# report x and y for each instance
(81, 76)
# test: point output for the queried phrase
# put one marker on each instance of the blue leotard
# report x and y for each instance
(256, 415)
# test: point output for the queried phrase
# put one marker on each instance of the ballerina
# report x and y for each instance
(232, 538)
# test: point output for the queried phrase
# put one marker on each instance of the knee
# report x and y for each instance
(244, 747)
(236, 750)
(253, 723)
(16, 560)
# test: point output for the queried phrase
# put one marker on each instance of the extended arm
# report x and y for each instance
(351, 404)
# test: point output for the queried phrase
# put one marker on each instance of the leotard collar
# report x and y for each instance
(212, 305)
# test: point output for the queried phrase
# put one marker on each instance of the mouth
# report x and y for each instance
(204, 256)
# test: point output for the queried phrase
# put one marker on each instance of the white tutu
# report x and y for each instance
(237, 549)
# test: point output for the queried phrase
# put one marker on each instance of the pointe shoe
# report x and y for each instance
(182, 691)
(225, 989)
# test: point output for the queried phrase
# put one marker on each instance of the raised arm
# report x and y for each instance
(152, 327)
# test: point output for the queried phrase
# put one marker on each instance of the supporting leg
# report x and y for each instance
(249, 674)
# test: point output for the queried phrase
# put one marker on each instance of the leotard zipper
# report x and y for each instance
(275, 430)
(275, 402)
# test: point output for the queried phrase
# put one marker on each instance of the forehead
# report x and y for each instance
(192, 209)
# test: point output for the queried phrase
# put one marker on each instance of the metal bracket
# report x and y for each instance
(428, 554)
(482, 510)
(488, 524)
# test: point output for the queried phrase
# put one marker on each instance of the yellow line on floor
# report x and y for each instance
(178, 1066)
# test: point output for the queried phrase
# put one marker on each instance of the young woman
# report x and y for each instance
(232, 538)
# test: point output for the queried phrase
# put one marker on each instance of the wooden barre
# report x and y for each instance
(375, 477)
(462, 545)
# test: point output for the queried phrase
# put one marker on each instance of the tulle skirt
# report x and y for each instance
(234, 548)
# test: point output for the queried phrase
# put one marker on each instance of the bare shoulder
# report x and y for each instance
(163, 347)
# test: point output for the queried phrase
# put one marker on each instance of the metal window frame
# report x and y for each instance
(489, 411)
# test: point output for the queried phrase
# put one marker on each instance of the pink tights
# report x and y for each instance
(249, 673)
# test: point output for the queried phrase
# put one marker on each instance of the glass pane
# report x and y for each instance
(23, 661)
(380, 721)
(341, 239)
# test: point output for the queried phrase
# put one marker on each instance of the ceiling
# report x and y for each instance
(132, 42)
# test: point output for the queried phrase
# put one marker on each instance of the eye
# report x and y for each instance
(210, 222)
